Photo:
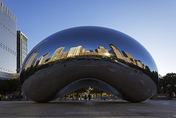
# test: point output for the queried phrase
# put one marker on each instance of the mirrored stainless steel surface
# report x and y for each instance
(104, 55)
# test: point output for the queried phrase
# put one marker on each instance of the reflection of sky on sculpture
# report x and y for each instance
(91, 38)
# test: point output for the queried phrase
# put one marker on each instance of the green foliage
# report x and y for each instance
(167, 84)
(96, 91)
(81, 90)
(9, 86)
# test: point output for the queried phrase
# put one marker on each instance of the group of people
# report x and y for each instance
(85, 97)
(78, 97)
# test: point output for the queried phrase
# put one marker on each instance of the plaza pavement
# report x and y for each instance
(88, 109)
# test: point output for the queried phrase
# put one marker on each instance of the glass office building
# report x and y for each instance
(22, 48)
(8, 29)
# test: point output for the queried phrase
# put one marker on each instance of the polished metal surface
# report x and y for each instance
(89, 56)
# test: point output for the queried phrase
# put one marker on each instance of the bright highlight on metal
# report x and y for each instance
(89, 56)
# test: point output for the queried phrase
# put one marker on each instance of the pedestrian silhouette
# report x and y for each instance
(89, 97)
(85, 97)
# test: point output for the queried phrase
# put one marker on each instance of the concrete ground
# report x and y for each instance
(86, 109)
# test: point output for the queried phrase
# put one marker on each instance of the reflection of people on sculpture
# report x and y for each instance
(89, 97)
(104, 97)
(77, 96)
(85, 97)
(65, 97)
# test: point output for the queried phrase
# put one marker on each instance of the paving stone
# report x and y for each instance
(88, 109)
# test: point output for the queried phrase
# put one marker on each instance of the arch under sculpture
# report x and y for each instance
(89, 56)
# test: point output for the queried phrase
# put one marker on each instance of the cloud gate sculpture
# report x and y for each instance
(89, 56)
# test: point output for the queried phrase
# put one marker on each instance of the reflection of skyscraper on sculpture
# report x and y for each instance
(114, 50)
(64, 54)
(35, 62)
(58, 53)
(99, 51)
(138, 63)
(126, 54)
(43, 58)
(30, 61)
(83, 50)
(34, 53)
(74, 51)
(89, 52)
(102, 51)
(132, 60)
(129, 58)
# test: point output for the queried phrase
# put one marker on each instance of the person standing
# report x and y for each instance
(85, 97)
(89, 97)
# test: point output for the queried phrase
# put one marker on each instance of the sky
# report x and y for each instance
(151, 22)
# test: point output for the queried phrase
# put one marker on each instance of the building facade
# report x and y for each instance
(74, 51)
(22, 48)
(8, 29)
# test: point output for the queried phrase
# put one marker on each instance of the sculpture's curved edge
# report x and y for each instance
(41, 89)
(117, 48)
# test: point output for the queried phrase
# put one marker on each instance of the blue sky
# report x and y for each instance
(150, 22)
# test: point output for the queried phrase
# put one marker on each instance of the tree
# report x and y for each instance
(9, 86)
(167, 84)
(96, 91)
(3, 87)
(81, 90)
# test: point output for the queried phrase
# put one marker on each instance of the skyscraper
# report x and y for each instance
(115, 51)
(22, 48)
(101, 50)
(58, 53)
(74, 51)
(43, 59)
(8, 42)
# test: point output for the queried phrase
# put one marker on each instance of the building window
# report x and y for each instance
(0, 45)
(3, 46)
(24, 43)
